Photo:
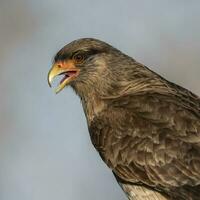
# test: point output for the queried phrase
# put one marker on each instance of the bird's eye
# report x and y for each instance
(78, 58)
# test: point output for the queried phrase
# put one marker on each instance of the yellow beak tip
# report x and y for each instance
(49, 84)
(57, 91)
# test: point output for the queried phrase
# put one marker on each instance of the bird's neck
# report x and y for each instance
(92, 106)
(91, 101)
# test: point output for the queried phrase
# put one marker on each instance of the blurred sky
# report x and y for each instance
(45, 151)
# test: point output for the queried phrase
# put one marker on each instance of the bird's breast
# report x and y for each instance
(108, 136)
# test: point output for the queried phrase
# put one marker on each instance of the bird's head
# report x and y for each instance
(78, 62)
(86, 63)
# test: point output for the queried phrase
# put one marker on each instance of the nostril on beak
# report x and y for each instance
(59, 66)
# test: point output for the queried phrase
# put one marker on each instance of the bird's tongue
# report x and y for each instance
(67, 75)
(64, 77)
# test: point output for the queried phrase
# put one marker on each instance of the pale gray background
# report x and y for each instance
(45, 151)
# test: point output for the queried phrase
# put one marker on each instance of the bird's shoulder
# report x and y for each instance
(169, 108)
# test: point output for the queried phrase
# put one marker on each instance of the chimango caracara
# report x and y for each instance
(145, 128)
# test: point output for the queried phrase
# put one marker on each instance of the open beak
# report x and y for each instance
(67, 70)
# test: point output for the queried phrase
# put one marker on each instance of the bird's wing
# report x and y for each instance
(152, 137)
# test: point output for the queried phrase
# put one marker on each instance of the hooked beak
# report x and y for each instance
(67, 69)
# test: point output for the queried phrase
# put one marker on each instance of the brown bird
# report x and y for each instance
(145, 128)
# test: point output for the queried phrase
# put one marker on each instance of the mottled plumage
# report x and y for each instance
(145, 128)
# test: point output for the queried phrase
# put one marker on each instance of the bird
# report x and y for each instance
(144, 127)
